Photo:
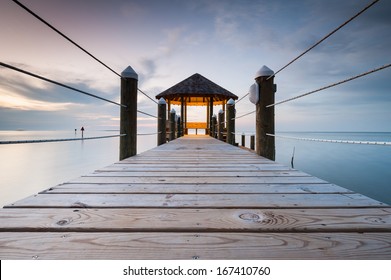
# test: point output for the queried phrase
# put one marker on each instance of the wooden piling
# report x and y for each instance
(210, 116)
(128, 114)
(243, 140)
(230, 122)
(214, 126)
(265, 145)
(161, 127)
(221, 125)
(252, 142)
(181, 118)
(172, 124)
(179, 126)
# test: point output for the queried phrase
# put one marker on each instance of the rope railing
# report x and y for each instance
(332, 85)
(240, 99)
(325, 37)
(146, 95)
(244, 115)
(148, 134)
(58, 140)
(381, 143)
(244, 133)
(141, 112)
(57, 83)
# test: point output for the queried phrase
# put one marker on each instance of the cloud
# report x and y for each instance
(35, 89)
(149, 67)
(18, 102)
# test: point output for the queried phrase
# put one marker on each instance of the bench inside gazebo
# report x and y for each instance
(196, 90)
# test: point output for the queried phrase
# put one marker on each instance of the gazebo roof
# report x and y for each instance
(197, 90)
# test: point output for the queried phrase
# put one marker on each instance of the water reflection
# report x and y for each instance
(26, 169)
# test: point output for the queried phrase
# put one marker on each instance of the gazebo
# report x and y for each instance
(196, 91)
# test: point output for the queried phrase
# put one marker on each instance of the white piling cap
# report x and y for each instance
(129, 73)
(231, 102)
(172, 111)
(264, 72)
(162, 101)
(221, 111)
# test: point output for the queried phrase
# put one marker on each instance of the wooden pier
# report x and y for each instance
(196, 198)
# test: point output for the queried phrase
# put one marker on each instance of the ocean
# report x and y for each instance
(26, 169)
(365, 169)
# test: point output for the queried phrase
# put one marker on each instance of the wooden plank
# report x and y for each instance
(157, 245)
(194, 188)
(198, 180)
(194, 167)
(190, 161)
(160, 174)
(197, 220)
(197, 201)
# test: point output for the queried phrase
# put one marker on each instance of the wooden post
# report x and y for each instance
(172, 124)
(214, 126)
(265, 145)
(128, 114)
(243, 140)
(221, 125)
(231, 122)
(161, 122)
(179, 126)
(252, 142)
(185, 130)
(182, 119)
(211, 115)
(168, 109)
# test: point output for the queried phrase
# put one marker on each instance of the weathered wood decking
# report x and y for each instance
(196, 197)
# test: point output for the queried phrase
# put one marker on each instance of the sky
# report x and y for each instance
(167, 41)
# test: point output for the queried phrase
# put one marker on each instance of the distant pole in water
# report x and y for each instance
(293, 156)
(82, 132)
(264, 122)
(128, 121)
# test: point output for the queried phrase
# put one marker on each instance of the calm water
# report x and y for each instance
(26, 169)
(365, 169)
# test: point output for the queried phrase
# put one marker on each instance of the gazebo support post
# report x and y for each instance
(185, 131)
(180, 124)
(211, 116)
